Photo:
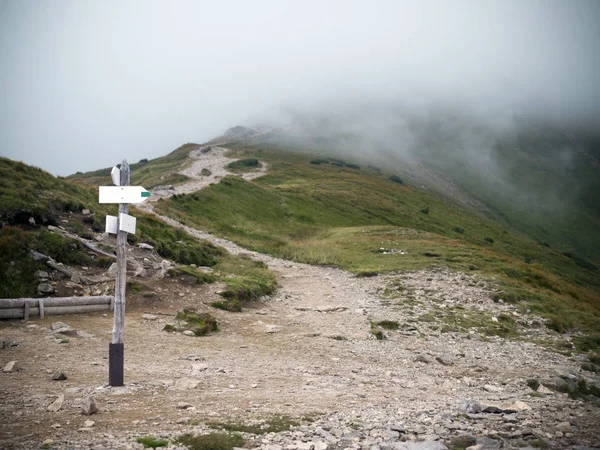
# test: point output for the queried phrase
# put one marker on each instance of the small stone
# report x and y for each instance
(57, 404)
(183, 420)
(56, 426)
(45, 288)
(145, 246)
(254, 386)
(491, 388)
(184, 384)
(48, 442)
(198, 368)
(270, 329)
(31, 221)
(85, 212)
(59, 376)
(446, 360)
(88, 406)
(149, 317)
(10, 367)
(59, 326)
(89, 423)
(83, 334)
(183, 405)
(544, 390)
(564, 427)
(320, 445)
(42, 274)
(189, 333)
(423, 359)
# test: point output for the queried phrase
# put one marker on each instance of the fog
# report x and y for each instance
(84, 84)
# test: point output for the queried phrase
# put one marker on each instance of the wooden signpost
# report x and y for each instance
(123, 194)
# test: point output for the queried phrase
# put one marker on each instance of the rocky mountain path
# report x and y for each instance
(309, 353)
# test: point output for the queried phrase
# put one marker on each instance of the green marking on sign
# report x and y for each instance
(146, 194)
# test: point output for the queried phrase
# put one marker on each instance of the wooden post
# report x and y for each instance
(116, 348)
(26, 309)
(41, 303)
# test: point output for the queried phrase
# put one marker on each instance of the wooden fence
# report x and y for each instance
(24, 308)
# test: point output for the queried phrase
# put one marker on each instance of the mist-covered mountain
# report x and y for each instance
(533, 175)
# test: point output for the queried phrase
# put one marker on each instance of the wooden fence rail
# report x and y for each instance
(23, 308)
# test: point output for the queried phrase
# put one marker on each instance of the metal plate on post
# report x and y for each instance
(127, 223)
(111, 224)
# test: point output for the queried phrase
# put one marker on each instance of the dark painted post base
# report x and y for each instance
(115, 364)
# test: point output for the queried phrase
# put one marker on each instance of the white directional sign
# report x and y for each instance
(126, 223)
(115, 174)
(111, 224)
(123, 194)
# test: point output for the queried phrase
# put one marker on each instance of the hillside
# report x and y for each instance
(531, 176)
(353, 308)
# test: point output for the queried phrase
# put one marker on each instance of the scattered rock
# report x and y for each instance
(57, 404)
(85, 212)
(10, 367)
(83, 334)
(564, 427)
(42, 274)
(445, 359)
(183, 405)
(270, 329)
(59, 326)
(189, 333)
(145, 246)
(89, 423)
(45, 288)
(184, 384)
(424, 359)
(7, 344)
(197, 369)
(149, 316)
(59, 376)
(88, 406)
(491, 388)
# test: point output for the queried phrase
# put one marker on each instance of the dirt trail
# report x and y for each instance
(307, 349)
(213, 162)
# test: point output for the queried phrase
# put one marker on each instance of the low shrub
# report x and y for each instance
(213, 441)
(396, 179)
(488, 239)
(243, 164)
(152, 442)
(232, 305)
(458, 230)
(425, 210)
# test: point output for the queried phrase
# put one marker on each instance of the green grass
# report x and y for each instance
(200, 324)
(159, 171)
(272, 424)
(330, 215)
(152, 442)
(199, 275)
(244, 164)
(213, 441)
(30, 192)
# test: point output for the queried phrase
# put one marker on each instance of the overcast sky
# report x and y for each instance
(84, 84)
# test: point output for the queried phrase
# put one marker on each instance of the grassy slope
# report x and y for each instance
(158, 171)
(26, 192)
(327, 214)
